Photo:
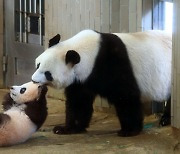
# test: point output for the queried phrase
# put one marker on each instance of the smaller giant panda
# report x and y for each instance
(125, 68)
(24, 113)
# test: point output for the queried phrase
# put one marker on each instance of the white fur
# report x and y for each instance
(30, 94)
(86, 43)
(150, 55)
(18, 129)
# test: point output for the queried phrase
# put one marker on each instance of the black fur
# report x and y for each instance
(4, 118)
(166, 117)
(7, 102)
(112, 77)
(55, 40)
(38, 65)
(36, 110)
(48, 76)
(72, 57)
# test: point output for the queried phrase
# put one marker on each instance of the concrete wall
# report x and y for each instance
(176, 67)
(1, 42)
(68, 17)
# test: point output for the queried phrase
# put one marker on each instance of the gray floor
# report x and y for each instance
(100, 138)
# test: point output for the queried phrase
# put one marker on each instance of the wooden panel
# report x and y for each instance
(132, 15)
(115, 16)
(97, 15)
(1, 17)
(82, 13)
(1, 57)
(139, 15)
(105, 16)
(68, 17)
(147, 15)
(92, 14)
(124, 18)
(1, 44)
(176, 67)
(68, 24)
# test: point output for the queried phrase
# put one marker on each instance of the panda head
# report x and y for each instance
(27, 92)
(55, 66)
(68, 61)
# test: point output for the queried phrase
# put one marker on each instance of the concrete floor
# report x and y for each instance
(100, 138)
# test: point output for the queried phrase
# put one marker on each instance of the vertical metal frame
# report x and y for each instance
(40, 23)
(25, 20)
(20, 20)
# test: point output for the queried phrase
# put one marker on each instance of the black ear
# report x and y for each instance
(55, 40)
(72, 57)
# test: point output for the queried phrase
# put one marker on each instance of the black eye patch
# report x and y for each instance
(38, 65)
(22, 90)
(48, 76)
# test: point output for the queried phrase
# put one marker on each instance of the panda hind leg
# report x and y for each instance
(166, 117)
(130, 116)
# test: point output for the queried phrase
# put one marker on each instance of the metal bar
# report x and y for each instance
(20, 21)
(30, 6)
(40, 22)
(34, 6)
(25, 22)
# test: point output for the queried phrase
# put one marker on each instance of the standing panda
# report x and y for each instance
(24, 113)
(124, 68)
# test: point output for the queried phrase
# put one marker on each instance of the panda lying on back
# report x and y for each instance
(24, 112)
(124, 68)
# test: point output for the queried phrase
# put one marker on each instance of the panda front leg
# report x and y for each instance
(79, 109)
(129, 112)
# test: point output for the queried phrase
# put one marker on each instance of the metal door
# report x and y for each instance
(24, 31)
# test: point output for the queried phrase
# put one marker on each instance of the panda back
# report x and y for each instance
(150, 56)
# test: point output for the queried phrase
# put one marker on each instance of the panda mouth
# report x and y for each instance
(35, 82)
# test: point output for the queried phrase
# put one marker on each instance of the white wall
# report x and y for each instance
(176, 66)
(1, 42)
(68, 17)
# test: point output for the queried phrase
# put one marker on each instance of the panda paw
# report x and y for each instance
(124, 133)
(64, 130)
(165, 120)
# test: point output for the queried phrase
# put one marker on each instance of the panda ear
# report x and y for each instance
(72, 57)
(55, 40)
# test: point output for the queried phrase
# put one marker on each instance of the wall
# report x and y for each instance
(68, 17)
(1, 42)
(176, 67)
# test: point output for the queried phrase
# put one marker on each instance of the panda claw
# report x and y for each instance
(165, 120)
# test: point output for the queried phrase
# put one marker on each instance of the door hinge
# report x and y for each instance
(5, 62)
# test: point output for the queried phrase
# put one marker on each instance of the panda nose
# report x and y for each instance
(12, 88)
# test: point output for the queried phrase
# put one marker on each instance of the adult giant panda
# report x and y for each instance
(124, 68)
